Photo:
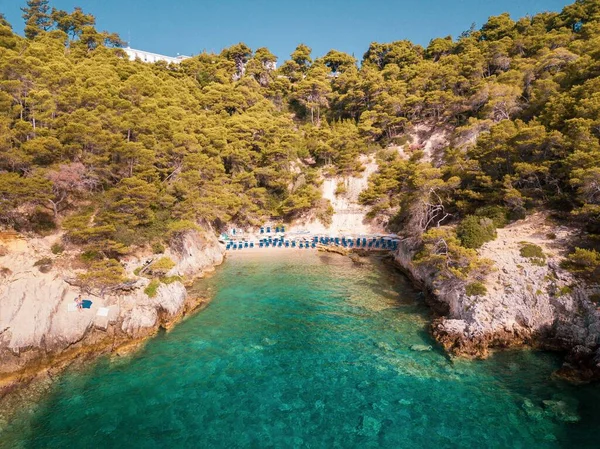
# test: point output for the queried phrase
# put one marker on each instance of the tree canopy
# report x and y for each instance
(116, 151)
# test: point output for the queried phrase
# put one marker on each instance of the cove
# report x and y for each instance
(309, 351)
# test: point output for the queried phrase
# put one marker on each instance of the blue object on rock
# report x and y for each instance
(86, 304)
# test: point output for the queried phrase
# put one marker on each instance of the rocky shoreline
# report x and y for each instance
(526, 304)
(40, 335)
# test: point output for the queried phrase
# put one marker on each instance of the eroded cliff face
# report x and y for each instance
(527, 302)
(39, 325)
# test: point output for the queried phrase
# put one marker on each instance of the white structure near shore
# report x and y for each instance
(146, 56)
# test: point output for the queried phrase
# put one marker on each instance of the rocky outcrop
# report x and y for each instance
(527, 301)
(195, 253)
(39, 325)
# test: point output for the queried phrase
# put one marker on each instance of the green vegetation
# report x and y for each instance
(57, 248)
(158, 248)
(565, 290)
(170, 279)
(161, 266)
(584, 263)
(498, 215)
(450, 262)
(125, 154)
(475, 289)
(152, 288)
(340, 188)
(475, 231)
(103, 275)
(534, 253)
(531, 250)
(44, 264)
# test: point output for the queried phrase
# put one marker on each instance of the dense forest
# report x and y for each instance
(123, 154)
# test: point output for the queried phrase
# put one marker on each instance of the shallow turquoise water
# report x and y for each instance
(313, 352)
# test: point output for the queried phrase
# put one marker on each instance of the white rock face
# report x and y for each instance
(198, 253)
(349, 217)
(37, 317)
(523, 300)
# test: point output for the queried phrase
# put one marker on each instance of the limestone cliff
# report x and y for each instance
(39, 325)
(527, 302)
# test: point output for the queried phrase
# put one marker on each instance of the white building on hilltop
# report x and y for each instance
(146, 56)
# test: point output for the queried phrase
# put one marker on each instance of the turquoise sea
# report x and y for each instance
(309, 351)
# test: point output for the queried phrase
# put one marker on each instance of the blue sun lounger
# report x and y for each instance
(293, 244)
(268, 230)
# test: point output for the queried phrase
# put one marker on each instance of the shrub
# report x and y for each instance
(158, 248)
(57, 248)
(498, 215)
(90, 255)
(152, 289)
(44, 264)
(475, 231)
(41, 221)
(102, 274)
(565, 290)
(583, 262)
(475, 289)
(534, 253)
(161, 266)
(170, 279)
(530, 250)
(518, 213)
(340, 188)
(442, 253)
(325, 212)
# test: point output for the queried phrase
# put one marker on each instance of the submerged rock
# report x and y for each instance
(421, 348)
(561, 410)
(369, 426)
(533, 411)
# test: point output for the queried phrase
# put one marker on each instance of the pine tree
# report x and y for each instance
(37, 17)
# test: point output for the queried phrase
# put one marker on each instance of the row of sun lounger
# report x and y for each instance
(267, 229)
(280, 242)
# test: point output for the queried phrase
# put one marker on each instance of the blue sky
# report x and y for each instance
(191, 26)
